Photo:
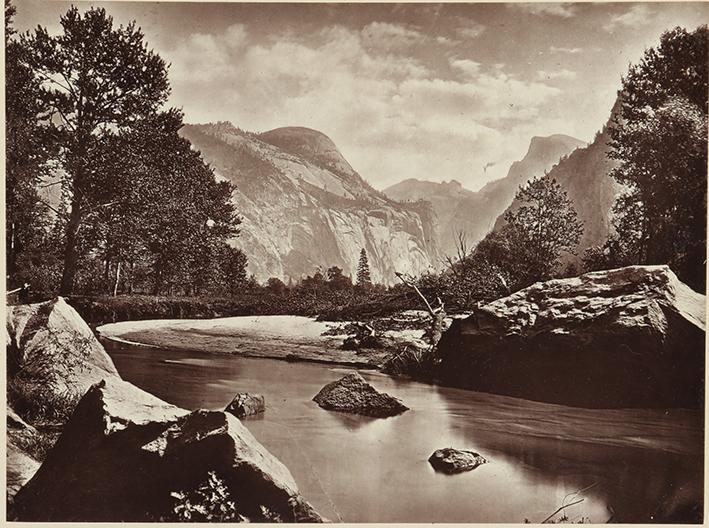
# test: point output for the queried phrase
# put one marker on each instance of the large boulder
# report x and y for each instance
(354, 395)
(124, 452)
(246, 404)
(449, 460)
(51, 340)
(629, 337)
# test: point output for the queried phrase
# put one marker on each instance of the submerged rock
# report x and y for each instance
(246, 404)
(124, 451)
(629, 337)
(354, 395)
(449, 460)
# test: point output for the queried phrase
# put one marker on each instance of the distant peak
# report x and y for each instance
(308, 142)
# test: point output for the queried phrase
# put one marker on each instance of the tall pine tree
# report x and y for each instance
(363, 278)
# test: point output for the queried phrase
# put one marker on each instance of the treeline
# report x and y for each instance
(103, 195)
(660, 140)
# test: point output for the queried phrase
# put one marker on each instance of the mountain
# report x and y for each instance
(304, 207)
(474, 213)
(584, 177)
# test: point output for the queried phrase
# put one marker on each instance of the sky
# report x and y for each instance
(428, 91)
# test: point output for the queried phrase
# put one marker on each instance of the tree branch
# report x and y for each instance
(562, 508)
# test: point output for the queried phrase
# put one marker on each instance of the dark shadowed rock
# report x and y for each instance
(449, 460)
(354, 395)
(124, 451)
(245, 404)
(629, 337)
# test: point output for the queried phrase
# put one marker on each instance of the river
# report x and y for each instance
(633, 465)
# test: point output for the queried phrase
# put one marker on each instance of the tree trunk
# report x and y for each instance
(71, 254)
(130, 277)
(11, 255)
(118, 278)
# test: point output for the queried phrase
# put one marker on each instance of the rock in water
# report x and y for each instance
(124, 451)
(449, 460)
(354, 395)
(245, 404)
(628, 337)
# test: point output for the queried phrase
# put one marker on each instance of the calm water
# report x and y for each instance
(640, 465)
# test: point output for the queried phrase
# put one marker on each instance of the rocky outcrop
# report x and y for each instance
(123, 451)
(50, 338)
(474, 213)
(303, 207)
(21, 466)
(245, 404)
(449, 460)
(629, 337)
(353, 394)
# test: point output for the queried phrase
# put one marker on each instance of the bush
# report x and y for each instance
(210, 502)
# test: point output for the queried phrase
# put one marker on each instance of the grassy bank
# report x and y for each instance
(331, 306)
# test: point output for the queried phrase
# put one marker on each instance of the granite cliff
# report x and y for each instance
(304, 207)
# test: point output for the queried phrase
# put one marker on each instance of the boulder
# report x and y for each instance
(245, 404)
(124, 451)
(449, 460)
(51, 340)
(353, 394)
(628, 337)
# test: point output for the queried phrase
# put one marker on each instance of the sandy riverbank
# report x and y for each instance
(271, 336)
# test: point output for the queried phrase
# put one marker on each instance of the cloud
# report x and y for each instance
(391, 116)
(572, 51)
(562, 74)
(467, 28)
(562, 10)
(386, 36)
(637, 15)
(466, 66)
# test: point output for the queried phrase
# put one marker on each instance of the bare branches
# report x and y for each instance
(562, 508)
(412, 285)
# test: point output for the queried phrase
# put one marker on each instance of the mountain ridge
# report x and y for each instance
(474, 213)
(305, 208)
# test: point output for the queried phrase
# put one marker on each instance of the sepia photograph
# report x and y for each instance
(355, 262)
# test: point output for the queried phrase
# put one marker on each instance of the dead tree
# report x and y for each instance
(437, 313)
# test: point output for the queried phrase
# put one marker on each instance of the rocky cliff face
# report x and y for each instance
(475, 213)
(584, 175)
(629, 337)
(304, 207)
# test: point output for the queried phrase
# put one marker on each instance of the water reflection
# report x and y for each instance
(358, 469)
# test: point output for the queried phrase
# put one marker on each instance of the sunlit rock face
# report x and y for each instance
(585, 176)
(629, 337)
(458, 209)
(303, 207)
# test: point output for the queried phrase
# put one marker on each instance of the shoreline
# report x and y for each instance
(285, 338)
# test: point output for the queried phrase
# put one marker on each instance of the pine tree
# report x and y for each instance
(98, 80)
(363, 278)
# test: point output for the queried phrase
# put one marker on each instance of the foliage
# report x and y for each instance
(537, 233)
(660, 140)
(39, 384)
(96, 81)
(364, 279)
(28, 150)
(209, 502)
